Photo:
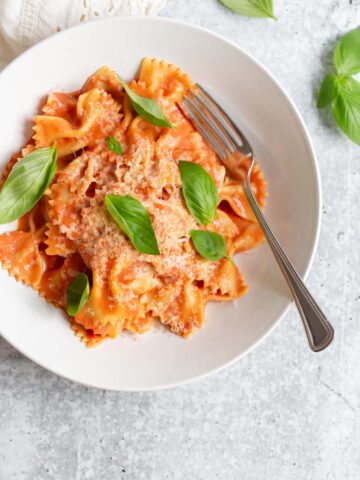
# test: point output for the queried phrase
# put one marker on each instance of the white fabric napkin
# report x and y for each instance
(25, 22)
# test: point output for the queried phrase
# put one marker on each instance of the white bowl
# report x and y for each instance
(270, 120)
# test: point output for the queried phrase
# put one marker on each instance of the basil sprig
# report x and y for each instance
(251, 8)
(347, 53)
(210, 245)
(77, 294)
(27, 182)
(134, 220)
(200, 192)
(147, 108)
(114, 145)
(341, 90)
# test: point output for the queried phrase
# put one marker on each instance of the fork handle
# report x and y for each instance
(318, 330)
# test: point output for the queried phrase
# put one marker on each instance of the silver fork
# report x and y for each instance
(236, 154)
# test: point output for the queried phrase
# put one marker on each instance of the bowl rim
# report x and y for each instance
(317, 200)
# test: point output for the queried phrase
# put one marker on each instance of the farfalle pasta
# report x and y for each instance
(69, 232)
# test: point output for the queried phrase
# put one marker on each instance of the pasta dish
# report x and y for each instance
(112, 146)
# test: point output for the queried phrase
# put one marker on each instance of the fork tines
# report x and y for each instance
(213, 123)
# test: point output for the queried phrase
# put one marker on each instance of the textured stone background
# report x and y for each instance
(280, 413)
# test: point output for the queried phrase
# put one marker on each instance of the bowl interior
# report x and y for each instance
(269, 119)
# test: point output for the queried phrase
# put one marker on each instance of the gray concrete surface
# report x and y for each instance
(282, 412)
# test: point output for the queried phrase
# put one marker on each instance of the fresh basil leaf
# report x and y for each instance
(347, 53)
(328, 91)
(134, 220)
(210, 245)
(26, 183)
(114, 145)
(77, 294)
(147, 108)
(346, 108)
(251, 8)
(200, 192)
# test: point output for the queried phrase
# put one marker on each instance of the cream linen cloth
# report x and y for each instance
(25, 22)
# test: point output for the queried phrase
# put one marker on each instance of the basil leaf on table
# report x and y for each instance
(28, 180)
(346, 108)
(199, 190)
(77, 294)
(147, 108)
(210, 245)
(341, 90)
(133, 219)
(328, 91)
(251, 8)
(114, 145)
(347, 53)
